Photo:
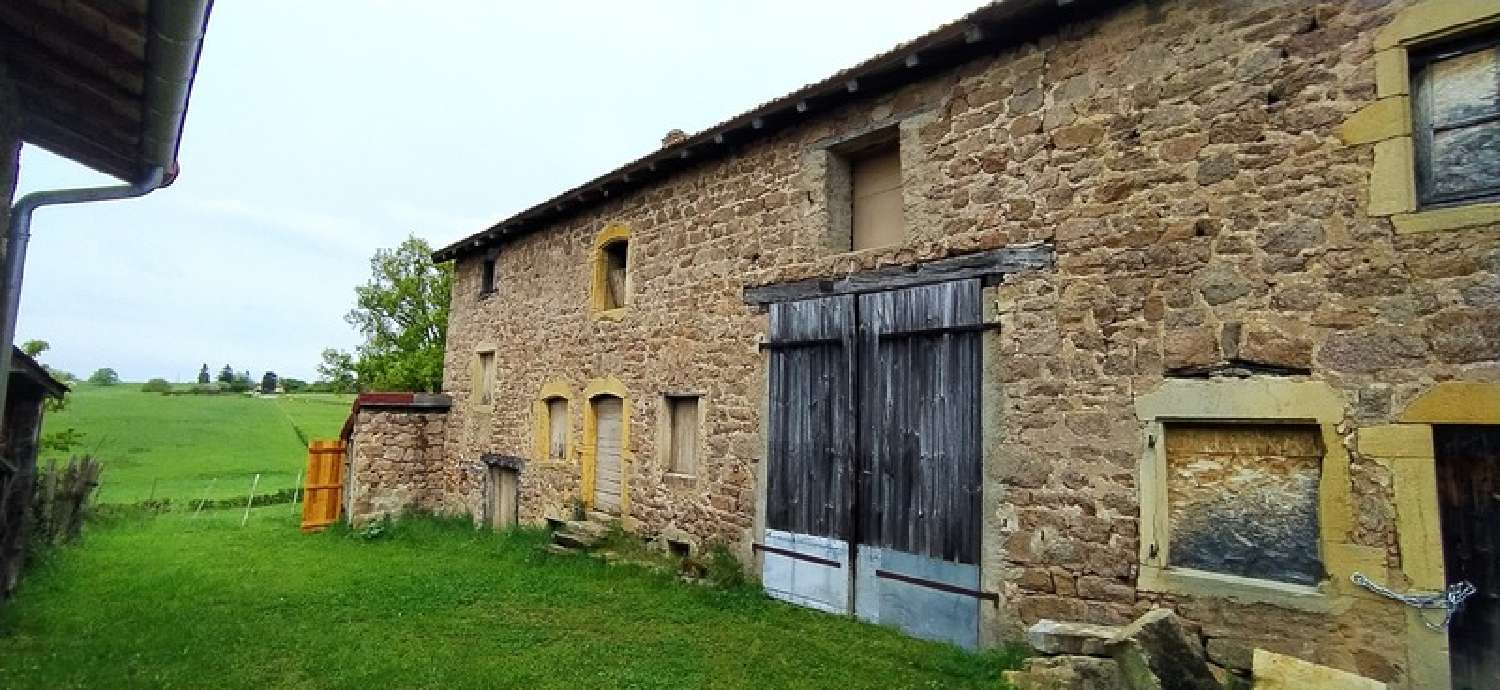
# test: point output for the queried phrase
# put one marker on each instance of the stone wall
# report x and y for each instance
(1183, 157)
(396, 462)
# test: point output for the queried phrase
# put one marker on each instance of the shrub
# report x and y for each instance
(156, 386)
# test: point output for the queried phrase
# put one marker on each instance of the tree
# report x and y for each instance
(33, 348)
(203, 375)
(268, 382)
(337, 370)
(104, 377)
(292, 385)
(403, 314)
(226, 375)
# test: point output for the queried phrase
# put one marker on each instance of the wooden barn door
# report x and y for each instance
(608, 411)
(1468, 473)
(809, 476)
(919, 461)
(873, 471)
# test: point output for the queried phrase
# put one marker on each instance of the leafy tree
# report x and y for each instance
(292, 385)
(268, 382)
(337, 371)
(403, 314)
(203, 375)
(226, 375)
(33, 348)
(156, 386)
(104, 377)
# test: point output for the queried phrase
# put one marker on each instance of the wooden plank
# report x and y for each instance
(1468, 476)
(919, 431)
(812, 412)
(607, 469)
(991, 263)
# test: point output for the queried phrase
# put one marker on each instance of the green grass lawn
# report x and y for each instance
(177, 446)
(177, 601)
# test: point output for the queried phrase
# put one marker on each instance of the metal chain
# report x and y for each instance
(1450, 600)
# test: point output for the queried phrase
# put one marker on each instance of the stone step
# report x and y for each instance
(585, 528)
(600, 517)
(560, 550)
(574, 540)
(1059, 637)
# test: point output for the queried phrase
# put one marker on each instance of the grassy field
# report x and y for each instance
(175, 601)
(176, 446)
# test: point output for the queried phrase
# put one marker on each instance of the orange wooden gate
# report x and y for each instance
(322, 491)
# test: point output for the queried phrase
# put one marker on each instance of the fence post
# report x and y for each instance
(251, 500)
(206, 491)
(296, 489)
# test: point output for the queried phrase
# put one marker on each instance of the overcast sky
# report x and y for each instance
(321, 131)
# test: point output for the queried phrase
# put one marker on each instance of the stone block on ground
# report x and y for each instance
(574, 540)
(1159, 652)
(1061, 637)
(1230, 653)
(1068, 672)
(1280, 672)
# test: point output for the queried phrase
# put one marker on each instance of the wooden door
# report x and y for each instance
(504, 494)
(917, 517)
(608, 478)
(1468, 474)
(809, 480)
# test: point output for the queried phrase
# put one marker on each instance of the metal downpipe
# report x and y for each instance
(18, 236)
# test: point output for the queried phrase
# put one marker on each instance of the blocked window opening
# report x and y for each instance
(615, 264)
(1242, 499)
(682, 438)
(1456, 118)
(486, 383)
(557, 428)
(487, 276)
(876, 218)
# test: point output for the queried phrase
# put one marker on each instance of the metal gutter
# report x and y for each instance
(172, 51)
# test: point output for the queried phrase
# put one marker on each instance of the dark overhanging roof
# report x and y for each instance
(98, 79)
(984, 31)
(23, 367)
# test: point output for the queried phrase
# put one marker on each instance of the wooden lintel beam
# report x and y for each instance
(1035, 257)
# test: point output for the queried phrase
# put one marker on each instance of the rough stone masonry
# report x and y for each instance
(1210, 219)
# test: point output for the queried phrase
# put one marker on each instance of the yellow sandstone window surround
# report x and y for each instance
(610, 282)
(1260, 439)
(1419, 42)
(553, 423)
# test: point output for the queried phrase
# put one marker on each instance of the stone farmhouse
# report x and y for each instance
(1065, 310)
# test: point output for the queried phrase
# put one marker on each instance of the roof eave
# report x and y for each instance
(983, 32)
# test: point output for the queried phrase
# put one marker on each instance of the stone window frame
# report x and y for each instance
(1388, 122)
(599, 307)
(596, 388)
(1405, 447)
(479, 380)
(1251, 401)
(489, 273)
(541, 417)
(664, 433)
(826, 176)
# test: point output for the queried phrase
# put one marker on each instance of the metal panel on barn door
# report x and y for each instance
(805, 554)
(919, 481)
